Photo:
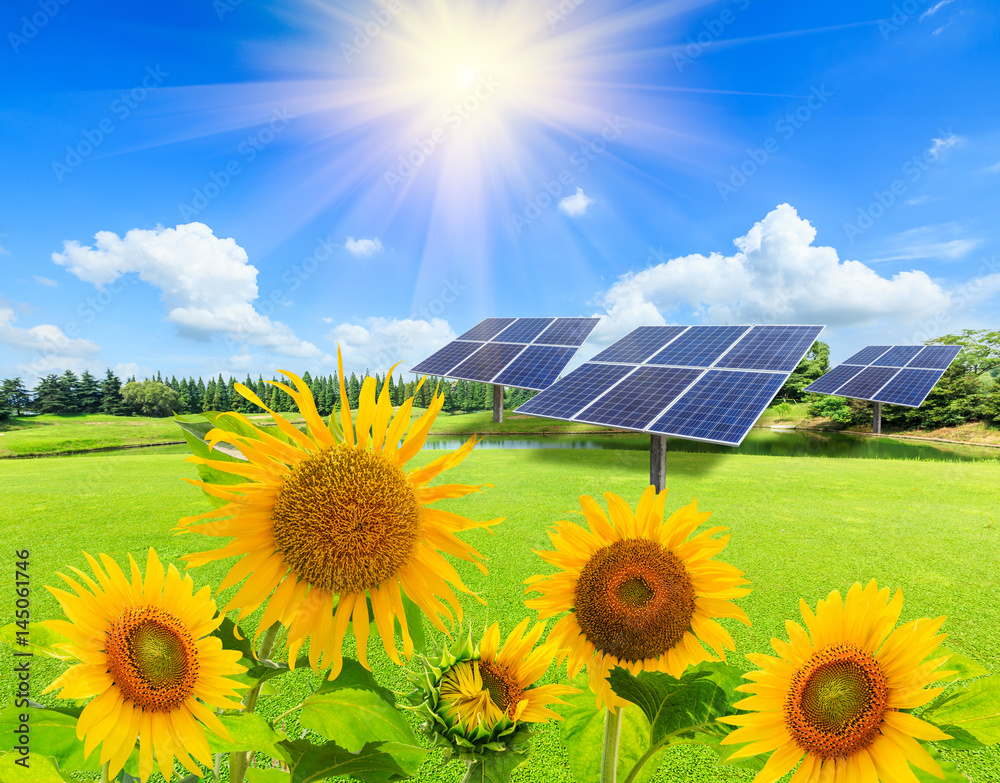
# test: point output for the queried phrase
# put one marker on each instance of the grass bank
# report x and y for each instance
(800, 527)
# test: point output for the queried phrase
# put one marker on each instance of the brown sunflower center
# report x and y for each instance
(151, 658)
(503, 690)
(634, 600)
(346, 519)
(836, 701)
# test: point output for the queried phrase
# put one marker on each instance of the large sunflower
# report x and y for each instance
(332, 516)
(832, 698)
(146, 653)
(639, 593)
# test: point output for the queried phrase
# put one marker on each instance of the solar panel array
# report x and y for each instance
(708, 383)
(527, 353)
(895, 374)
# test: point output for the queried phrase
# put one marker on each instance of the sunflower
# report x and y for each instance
(832, 698)
(639, 594)
(478, 699)
(146, 653)
(330, 517)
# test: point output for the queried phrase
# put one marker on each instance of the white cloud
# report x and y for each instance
(947, 141)
(576, 204)
(51, 348)
(45, 281)
(776, 275)
(944, 241)
(935, 8)
(364, 248)
(378, 343)
(994, 169)
(207, 282)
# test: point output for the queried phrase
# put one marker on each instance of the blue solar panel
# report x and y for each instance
(699, 346)
(721, 407)
(867, 382)
(935, 357)
(568, 331)
(778, 348)
(898, 355)
(487, 330)
(632, 405)
(639, 344)
(909, 387)
(486, 362)
(536, 368)
(868, 355)
(833, 380)
(574, 392)
(523, 330)
(439, 363)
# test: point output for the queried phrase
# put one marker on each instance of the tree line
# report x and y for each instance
(69, 394)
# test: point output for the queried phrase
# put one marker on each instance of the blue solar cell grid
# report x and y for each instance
(524, 330)
(777, 348)
(487, 330)
(536, 368)
(446, 358)
(868, 355)
(721, 407)
(935, 357)
(639, 344)
(632, 405)
(867, 382)
(486, 362)
(577, 390)
(699, 346)
(898, 355)
(568, 331)
(909, 387)
(833, 380)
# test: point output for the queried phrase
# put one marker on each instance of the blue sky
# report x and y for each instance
(205, 187)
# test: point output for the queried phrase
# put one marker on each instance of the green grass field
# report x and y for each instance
(800, 527)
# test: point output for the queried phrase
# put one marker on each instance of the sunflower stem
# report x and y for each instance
(105, 772)
(609, 755)
(239, 761)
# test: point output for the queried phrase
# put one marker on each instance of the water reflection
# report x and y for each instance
(787, 443)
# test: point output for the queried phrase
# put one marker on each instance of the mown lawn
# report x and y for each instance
(800, 527)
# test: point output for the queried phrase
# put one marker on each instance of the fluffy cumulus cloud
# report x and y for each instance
(378, 343)
(48, 347)
(207, 282)
(577, 204)
(776, 275)
(364, 248)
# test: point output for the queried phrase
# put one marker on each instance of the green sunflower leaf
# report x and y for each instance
(256, 775)
(48, 729)
(974, 709)
(355, 712)
(311, 763)
(247, 731)
(41, 640)
(964, 668)
(43, 769)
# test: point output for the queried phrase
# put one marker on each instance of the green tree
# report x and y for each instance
(111, 395)
(980, 348)
(69, 386)
(15, 395)
(815, 363)
(88, 393)
(208, 399)
(150, 398)
(183, 398)
(353, 391)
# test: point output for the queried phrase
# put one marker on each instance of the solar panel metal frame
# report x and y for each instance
(570, 328)
(877, 354)
(647, 335)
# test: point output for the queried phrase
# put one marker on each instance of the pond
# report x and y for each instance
(779, 443)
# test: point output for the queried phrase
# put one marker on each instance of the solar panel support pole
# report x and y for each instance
(497, 403)
(877, 418)
(658, 461)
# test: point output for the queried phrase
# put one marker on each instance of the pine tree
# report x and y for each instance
(183, 398)
(88, 393)
(353, 392)
(16, 395)
(111, 395)
(209, 399)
